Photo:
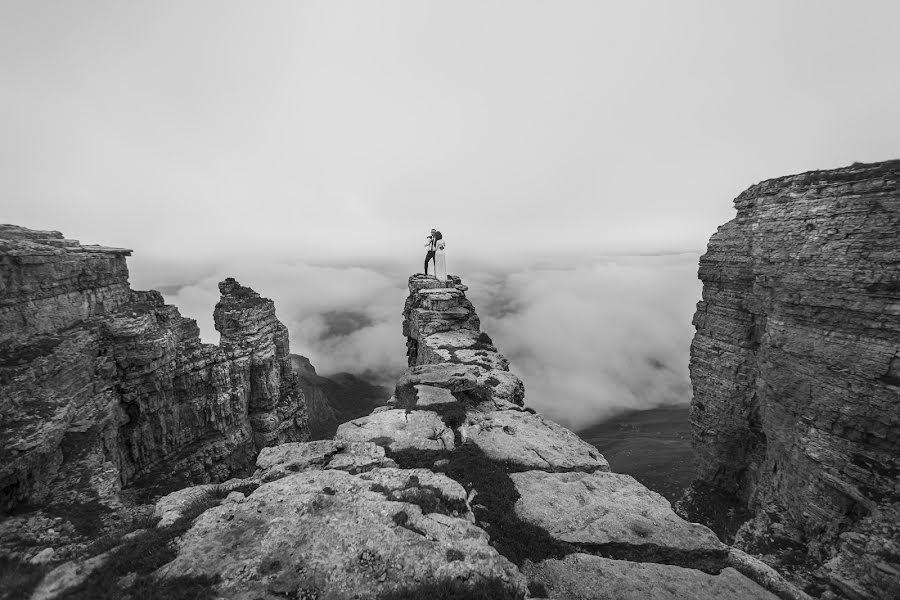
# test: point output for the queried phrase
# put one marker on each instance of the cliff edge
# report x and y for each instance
(795, 367)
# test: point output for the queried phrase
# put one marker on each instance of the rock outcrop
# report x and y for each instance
(102, 387)
(455, 489)
(795, 367)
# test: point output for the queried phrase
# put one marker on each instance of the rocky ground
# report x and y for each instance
(455, 489)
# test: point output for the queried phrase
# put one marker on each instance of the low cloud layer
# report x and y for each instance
(589, 340)
(341, 318)
(595, 339)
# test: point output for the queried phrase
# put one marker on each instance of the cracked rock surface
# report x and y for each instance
(589, 577)
(333, 534)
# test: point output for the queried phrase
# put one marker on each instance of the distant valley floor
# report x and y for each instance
(653, 446)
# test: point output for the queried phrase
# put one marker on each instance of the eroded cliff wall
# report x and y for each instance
(102, 386)
(795, 367)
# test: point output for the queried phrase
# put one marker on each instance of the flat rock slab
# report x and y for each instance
(614, 514)
(530, 441)
(468, 382)
(359, 457)
(275, 462)
(299, 454)
(399, 429)
(588, 577)
(428, 396)
(330, 534)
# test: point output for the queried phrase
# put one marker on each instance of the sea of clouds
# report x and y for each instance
(590, 340)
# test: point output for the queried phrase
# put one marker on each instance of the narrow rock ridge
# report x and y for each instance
(795, 368)
(453, 487)
(102, 387)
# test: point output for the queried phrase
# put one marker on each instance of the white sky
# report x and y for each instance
(341, 132)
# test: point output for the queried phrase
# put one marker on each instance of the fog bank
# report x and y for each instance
(589, 340)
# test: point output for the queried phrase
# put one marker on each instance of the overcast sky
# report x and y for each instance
(307, 147)
(341, 132)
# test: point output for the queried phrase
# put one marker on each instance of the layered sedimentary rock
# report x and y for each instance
(455, 489)
(795, 367)
(102, 386)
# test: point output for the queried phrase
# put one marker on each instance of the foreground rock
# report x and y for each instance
(332, 534)
(616, 516)
(588, 577)
(796, 375)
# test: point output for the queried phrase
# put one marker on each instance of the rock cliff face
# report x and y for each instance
(102, 386)
(796, 372)
(455, 489)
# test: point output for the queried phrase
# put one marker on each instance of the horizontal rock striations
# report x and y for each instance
(102, 387)
(48, 283)
(795, 367)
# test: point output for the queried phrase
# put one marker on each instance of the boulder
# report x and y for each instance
(589, 577)
(614, 514)
(530, 441)
(399, 429)
(330, 534)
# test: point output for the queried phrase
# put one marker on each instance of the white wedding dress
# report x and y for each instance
(440, 262)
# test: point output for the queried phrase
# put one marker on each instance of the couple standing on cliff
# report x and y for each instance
(435, 247)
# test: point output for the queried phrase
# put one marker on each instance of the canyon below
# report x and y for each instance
(139, 460)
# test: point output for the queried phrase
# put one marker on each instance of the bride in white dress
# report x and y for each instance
(440, 262)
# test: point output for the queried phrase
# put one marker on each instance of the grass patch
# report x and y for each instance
(18, 579)
(110, 540)
(144, 554)
(722, 512)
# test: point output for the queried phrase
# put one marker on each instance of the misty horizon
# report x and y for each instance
(590, 340)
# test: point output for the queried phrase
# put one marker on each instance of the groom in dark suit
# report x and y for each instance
(431, 245)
